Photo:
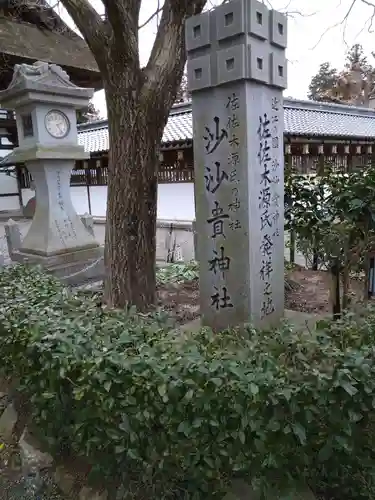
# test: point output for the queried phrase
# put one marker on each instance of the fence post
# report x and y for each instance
(315, 261)
(292, 247)
(86, 166)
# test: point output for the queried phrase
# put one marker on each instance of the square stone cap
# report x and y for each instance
(42, 77)
(39, 152)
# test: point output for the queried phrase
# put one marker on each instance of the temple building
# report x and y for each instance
(315, 135)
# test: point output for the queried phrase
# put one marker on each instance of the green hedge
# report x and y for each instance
(188, 413)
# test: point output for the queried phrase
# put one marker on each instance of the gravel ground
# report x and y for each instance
(16, 486)
(16, 483)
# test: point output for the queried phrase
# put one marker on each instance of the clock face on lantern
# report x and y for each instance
(57, 124)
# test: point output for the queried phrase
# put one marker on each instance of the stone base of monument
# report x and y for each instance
(297, 320)
(56, 259)
(80, 273)
(73, 268)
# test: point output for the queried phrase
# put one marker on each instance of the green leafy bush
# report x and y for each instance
(332, 219)
(189, 413)
(177, 273)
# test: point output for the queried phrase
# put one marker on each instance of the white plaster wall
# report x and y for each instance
(98, 196)
(80, 199)
(175, 201)
(180, 235)
(8, 184)
(27, 194)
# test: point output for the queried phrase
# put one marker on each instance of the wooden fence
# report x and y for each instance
(94, 172)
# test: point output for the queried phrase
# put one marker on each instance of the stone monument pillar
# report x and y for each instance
(237, 73)
(45, 102)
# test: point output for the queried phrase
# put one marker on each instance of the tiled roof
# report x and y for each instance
(304, 118)
(310, 118)
(94, 139)
(94, 136)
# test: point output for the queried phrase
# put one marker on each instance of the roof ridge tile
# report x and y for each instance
(298, 121)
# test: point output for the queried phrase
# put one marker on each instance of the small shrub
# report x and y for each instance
(177, 273)
(189, 413)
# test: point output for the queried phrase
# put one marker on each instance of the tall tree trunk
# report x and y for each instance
(130, 243)
(138, 104)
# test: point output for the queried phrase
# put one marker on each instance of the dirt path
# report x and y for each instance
(310, 294)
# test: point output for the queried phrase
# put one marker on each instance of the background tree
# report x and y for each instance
(138, 105)
(356, 55)
(332, 86)
(183, 93)
(322, 83)
(88, 114)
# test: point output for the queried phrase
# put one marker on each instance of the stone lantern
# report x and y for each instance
(45, 103)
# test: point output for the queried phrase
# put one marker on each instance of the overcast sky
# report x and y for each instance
(317, 34)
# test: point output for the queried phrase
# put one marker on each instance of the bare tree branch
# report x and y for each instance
(123, 17)
(166, 64)
(339, 23)
(155, 14)
(343, 22)
(137, 7)
(372, 17)
(369, 23)
(122, 12)
(89, 22)
(170, 38)
(297, 13)
(157, 17)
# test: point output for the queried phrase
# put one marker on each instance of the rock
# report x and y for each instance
(64, 480)
(31, 456)
(8, 422)
(4, 401)
(89, 494)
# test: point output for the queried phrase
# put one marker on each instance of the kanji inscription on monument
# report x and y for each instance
(237, 71)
